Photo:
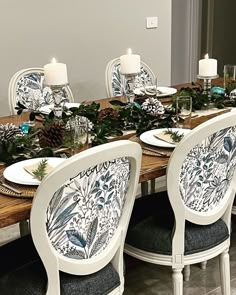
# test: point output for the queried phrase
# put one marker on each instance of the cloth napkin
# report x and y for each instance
(164, 137)
(33, 167)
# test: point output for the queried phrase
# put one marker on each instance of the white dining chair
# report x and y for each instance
(190, 223)
(113, 77)
(114, 88)
(79, 220)
(27, 87)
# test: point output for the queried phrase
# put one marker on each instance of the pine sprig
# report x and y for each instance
(40, 172)
(174, 135)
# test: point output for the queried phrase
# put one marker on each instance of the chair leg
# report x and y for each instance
(225, 273)
(186, 273)
(203, 265)
(177, 279)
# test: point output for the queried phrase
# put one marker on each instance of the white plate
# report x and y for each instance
(17, 174)
(165, 91)
(149, 138)
(48, 108)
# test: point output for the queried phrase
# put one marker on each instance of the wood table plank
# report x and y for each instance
(13, 210)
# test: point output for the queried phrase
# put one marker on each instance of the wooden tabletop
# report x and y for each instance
(13, 210)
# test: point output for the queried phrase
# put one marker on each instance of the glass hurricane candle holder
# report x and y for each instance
(207, 83)
(58, 99)
(129, 83)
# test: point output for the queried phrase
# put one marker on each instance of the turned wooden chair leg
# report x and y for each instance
(177, 279)
(225, 273)
(186, 273)
(203, 265)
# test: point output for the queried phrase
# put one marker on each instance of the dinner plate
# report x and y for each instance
(165, 91)
(48, 108)
(149, 138)
(17, 174)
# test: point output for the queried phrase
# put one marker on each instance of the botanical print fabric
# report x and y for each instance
(85, 212)
(117, 86)
(208, 170)
(32, 93)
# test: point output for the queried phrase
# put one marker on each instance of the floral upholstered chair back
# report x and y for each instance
(114, 78)
(85, 211)
(207, 169)
(27, 87)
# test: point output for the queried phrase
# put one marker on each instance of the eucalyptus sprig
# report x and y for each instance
(40, 172)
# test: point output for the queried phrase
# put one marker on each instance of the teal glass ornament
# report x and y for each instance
(217, 90)
(25, 127)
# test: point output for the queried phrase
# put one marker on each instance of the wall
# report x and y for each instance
(85, 35)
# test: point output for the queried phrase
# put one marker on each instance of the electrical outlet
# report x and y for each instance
(151, 22)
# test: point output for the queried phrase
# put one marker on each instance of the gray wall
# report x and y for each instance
(85, 35)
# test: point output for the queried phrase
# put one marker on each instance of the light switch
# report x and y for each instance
(151, 22)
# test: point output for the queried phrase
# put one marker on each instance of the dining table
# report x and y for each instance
(17, 209)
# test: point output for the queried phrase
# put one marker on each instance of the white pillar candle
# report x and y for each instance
(55, 73)
(130, 63)
(207, 67)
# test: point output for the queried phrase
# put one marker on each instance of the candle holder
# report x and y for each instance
(129, 83)
(59, 100)
(207, 83)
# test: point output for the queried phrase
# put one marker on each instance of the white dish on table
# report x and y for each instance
(48, 108)
(149, 138)
(164, 91)
(17, 174)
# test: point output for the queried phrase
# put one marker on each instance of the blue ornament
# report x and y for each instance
(25, 127)
(216, 90)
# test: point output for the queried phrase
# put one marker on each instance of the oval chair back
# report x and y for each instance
(81, 211)
(27, 87)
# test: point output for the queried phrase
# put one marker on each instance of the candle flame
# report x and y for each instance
(129, 51)
(53, 61)
(206, 56)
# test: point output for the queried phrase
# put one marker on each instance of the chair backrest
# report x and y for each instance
(81, 210)
(201, 175)
(113, 77)
(27, 87)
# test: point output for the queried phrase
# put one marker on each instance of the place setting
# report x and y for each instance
(161, 142)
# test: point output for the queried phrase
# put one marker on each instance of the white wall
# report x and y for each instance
(85, 35)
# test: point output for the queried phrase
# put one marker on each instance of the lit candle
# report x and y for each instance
(55, 73)
(207, 67)
(130, 63)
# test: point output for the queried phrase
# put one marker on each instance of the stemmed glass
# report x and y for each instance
(183, 111)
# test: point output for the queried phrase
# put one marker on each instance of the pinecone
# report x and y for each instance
(108, 113)
(9, 131)
(153, 106)
(52, 135)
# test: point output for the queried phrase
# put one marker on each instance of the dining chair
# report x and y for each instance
(190, 222)
(114, 88)
(79, 219)
(27, 87)
(113, 77)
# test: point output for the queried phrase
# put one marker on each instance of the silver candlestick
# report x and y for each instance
(129, 83)
(59, 100)
(207, 83)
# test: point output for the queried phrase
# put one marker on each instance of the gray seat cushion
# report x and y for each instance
(28, 275)
(151, 228)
